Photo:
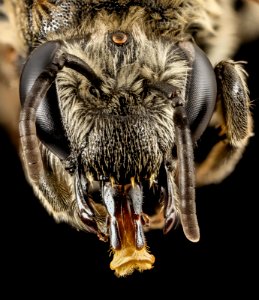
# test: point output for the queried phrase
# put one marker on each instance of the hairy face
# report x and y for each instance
(115, 95)
(124, 129)
(116, 114)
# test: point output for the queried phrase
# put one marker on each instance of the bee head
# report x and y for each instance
(125, 108)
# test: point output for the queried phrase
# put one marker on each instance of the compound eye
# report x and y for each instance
(201, 91)
(49, 125)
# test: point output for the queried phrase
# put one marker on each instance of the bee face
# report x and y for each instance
(123, 129)
(115, 96)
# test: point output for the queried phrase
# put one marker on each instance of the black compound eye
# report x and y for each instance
(201, 92)
(49, 124)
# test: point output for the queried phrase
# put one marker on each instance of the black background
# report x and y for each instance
(39, 257)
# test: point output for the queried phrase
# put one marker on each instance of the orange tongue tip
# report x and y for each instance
(126, 231)
(127, 260)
